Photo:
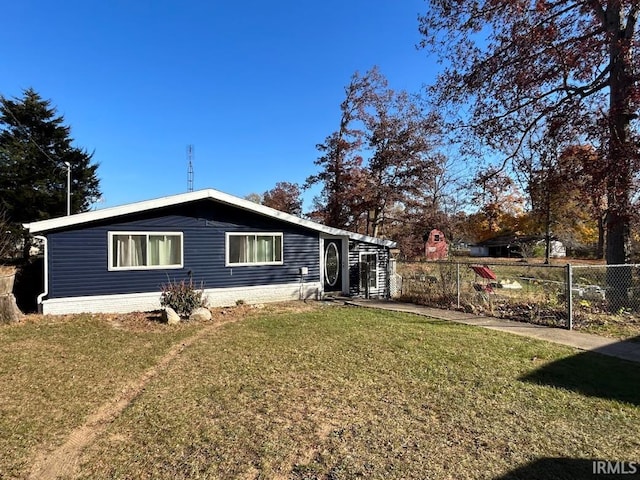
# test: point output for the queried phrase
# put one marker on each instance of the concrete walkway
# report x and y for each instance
(583, 341)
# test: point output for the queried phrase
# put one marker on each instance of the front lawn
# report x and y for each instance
(324, 392)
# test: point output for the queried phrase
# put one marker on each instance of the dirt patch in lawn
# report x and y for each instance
(63, 460)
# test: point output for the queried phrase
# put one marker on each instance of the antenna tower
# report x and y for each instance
(190, 168)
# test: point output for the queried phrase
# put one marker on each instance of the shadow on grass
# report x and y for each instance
(571, 469)
(592, 374)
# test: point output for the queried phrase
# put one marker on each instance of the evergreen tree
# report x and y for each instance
(35, 147)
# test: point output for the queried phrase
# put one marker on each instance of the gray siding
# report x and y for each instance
(355, 248)
(78, 258)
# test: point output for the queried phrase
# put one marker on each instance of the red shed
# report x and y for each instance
(436, 247)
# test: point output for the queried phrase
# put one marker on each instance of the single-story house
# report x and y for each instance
(501, 246)
(116, 259)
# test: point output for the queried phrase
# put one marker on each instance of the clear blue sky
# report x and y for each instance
(252, 85)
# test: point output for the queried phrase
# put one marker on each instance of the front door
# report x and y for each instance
(332, 265)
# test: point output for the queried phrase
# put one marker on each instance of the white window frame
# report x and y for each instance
(144, 267)
(255, 234)
(362, 254)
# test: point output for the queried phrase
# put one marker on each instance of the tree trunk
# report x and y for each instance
(621, 149)
(601, 238)
(547, 226)
(9, 311)
(620, 155)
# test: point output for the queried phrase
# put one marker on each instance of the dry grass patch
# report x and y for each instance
(56, 370)
(340, 393)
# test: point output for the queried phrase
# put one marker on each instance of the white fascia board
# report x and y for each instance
(137, 207)
(112, 212)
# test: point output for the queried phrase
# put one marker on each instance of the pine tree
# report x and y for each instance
(35, 147)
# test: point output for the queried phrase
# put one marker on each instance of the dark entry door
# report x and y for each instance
(332, 265)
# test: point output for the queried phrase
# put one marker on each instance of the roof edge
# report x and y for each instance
(171, 200)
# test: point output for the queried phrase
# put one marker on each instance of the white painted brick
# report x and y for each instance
(216, 297)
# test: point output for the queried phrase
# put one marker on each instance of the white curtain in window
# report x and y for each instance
(265, 249)
(138, 250)
(164, 250)
(250, 249)
(130, 250)
(237, 249)
(175, 247)
(254, 248)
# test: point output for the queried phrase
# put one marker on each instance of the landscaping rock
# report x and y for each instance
(170, 316)
(200, 314)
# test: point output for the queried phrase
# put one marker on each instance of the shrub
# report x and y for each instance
(539, 250)
(182, 297)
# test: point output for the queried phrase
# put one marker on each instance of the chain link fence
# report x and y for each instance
(551, 295)
(605, 293)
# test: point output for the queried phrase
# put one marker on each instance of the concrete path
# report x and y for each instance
(583, 341)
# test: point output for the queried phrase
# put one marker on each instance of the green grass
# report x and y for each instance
(331, 393)
(57, 370)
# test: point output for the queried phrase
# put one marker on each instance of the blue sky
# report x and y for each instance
(252, 85)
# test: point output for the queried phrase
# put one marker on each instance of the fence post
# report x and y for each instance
(569, 297)
(458, 282)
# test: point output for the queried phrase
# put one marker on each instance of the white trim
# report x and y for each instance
(45, 243)
(227, 263)
(211, 194)
(216, 297)
(112, 233)
(339, 260)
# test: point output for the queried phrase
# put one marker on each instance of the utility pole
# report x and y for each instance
(68, 188)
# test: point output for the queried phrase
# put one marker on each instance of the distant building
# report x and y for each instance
(557, 249)
(436, 246)
(510, 246)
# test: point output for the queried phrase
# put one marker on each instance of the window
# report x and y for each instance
(144, 250)
(254, 249)
(436, 237)
(368, 271)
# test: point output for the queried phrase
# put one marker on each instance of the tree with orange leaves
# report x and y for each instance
(525, 65)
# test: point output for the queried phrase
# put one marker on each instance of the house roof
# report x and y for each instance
(207, 194)
(506, 240)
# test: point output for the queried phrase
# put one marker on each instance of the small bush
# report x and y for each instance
(182, 297)
(539, 251)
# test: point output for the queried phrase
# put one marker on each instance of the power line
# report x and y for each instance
(26, 131)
